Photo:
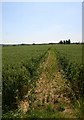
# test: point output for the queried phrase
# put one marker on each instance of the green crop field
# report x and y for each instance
(17, 54)
(72, 52)
(27, 69)
(70, 59)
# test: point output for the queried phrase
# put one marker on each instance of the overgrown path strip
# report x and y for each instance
(52, 89)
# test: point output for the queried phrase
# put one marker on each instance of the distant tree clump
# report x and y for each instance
(61, 42)
(65, 41)
(33, 44)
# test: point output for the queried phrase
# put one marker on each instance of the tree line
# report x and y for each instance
(65, 41)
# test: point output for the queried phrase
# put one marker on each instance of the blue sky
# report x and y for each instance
(41, 22)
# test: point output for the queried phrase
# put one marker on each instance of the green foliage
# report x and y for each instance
(19, 72)
(50, 108)
(20, 69)
(60, 107)
(70, 60)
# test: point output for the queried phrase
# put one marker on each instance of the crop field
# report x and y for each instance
(42, 81)
(71, 61)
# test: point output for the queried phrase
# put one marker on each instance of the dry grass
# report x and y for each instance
(52, 89)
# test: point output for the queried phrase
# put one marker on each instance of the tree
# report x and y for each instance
(61, 42)
(64, 42)
(69, 41)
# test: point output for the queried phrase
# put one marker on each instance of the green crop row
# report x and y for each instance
(72, 67)
(19, 76)
(73, 52)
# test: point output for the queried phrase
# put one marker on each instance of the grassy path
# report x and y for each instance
(53, 93)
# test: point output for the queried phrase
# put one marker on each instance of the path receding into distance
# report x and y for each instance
(52, 90)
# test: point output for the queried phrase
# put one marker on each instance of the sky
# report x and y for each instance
(36, 22)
